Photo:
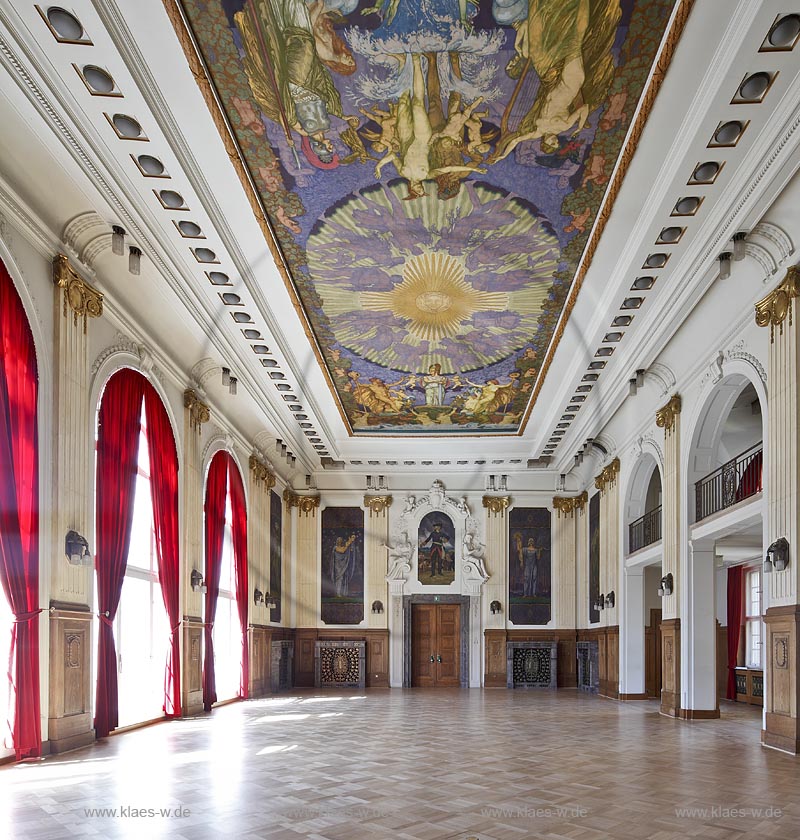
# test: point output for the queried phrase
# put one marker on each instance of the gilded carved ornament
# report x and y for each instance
(773, 309)
(567, 505)
(199, 412)
(608, 476)
(261, 474)
(305, 504)
(665, 416)
(377, 505)
(84, 300)
(496, 505)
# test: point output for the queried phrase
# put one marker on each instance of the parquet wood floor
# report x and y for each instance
(417, 765)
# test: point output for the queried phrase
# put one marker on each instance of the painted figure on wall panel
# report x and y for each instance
(432, 170)
(594, 557)
(342, 565)
(275, 553)
(436, 557)
(529, 566)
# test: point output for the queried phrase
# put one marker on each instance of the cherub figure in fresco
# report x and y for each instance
(595, 171)
(352, 139)
(579, 221)
(410, 154)
(569, 45)
(290, 82)
(615, 112)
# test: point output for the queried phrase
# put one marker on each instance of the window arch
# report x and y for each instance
(19, 517)
(225, 546)
(130, 411)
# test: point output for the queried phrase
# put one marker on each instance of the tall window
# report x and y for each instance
(753, 623)
(227, 632)
(141, 628)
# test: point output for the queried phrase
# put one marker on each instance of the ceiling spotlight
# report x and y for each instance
(724, 265)
(739, 245)
(226, 376)
(640, 372)
(632, 387)
(134, 260)
(232, 385)
(117, 240)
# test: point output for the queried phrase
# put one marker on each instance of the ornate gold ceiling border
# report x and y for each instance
(199, 70)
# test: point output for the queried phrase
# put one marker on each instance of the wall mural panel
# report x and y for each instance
(432, 170)
(436, 552)
(529, 564)
(275, 549)
(342, 565)
(594, 557)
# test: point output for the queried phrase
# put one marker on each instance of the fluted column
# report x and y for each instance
(778, 311)
(669, 418)
(196, 413)
(306, 563)
(260, 483)
(69, 714)
(376, 558)
(608, 640)
(495, 590)
(582, 566)
(565, 544)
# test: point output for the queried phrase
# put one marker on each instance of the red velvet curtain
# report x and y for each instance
(216, 494)
(164, 490)
(239, 514)
(19, 514)
(735, 613)
(117, 451)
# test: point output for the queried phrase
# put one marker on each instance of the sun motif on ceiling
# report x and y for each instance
(434, 298)
(460, 283)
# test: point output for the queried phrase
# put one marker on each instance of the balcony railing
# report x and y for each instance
(645, 530)
(733, 482)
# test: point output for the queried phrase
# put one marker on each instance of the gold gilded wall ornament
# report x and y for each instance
(199, 412)
(84, 300)
(608, 476)
(665, 416)
(261, 473)
(377, 504)
(569, 504)
(773, 309)
(496, 505)
(305, 504)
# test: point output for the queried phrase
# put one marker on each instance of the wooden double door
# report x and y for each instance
(435, 645)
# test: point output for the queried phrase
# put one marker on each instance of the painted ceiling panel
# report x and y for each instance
(431, 171)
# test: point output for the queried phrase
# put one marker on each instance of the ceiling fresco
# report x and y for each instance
(431, 170)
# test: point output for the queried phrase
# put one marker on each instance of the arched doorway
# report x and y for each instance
(721, 601)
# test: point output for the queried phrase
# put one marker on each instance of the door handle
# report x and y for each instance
(432, 659)
(438, 658)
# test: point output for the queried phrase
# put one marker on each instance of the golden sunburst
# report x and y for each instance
(433, 297)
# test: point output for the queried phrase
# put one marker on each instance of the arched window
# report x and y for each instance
(137, 549)
(225, 661)
(19, 522)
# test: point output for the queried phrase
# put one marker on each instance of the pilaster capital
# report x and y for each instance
(665, 416)
(496, 505)
(82, 298)
(773, 309)
(199, 412)
(608, 476)
(567, 505)
(261, 473)
(378, 505)
(307, 505)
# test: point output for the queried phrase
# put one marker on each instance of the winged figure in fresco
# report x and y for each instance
(568, 44)
(284, 42)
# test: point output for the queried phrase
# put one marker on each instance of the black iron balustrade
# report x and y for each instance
(734, 481)
(646, 530)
